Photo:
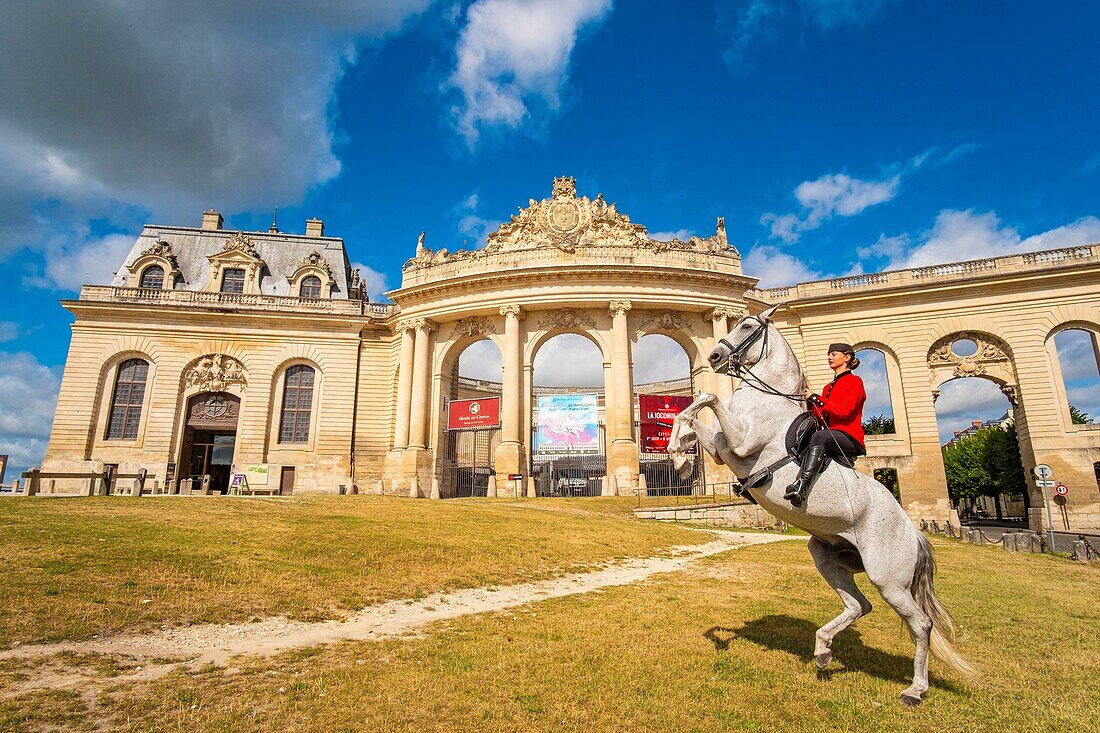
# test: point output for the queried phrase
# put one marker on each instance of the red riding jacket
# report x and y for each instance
(840, 405)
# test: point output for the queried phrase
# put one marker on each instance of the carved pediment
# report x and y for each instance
(238, 244)
(667, 320)
(569, 223)
(989, 360)
(314, 262)
(216, 372)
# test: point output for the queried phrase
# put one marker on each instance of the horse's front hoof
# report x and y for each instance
(909, 701)
(823, 660)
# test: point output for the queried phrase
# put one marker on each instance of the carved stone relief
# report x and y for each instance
(240, 243)
(566, 318)
(667, 320)
(216, 372)
(473, 326)
(988, 360)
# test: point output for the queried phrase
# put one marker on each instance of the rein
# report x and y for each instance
(738, 368)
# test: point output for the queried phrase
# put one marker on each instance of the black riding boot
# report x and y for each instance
(811, 464)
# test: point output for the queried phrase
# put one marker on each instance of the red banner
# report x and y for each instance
(466, 414)
(657, 414)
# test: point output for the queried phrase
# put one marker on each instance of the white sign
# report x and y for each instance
(1062, 489)
(1047, 484)
(1043, 471)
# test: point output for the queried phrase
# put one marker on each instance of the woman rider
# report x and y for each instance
(839, 409)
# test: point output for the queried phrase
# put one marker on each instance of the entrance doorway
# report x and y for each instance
(209, 440)
(568, 410)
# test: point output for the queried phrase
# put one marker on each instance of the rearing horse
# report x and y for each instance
(855, 522)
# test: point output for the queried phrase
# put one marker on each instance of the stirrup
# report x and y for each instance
(797, 492)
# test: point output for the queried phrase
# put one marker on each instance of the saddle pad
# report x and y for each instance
(800, 432)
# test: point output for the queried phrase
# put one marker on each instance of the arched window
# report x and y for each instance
(311, 287)
(153, 277)
(127, 399)
(297, 403)
(232, 280)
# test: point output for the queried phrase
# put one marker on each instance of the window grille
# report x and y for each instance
(297, 404)
(311, 287)
(127, 399)
(153, 277)
(233, 280)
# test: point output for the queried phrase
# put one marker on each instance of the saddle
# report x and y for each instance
(797, 441)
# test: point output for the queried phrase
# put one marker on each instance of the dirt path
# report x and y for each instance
(217, 643)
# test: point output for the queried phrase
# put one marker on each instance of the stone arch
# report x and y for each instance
(1054, 361)
(690, 341)
(992, 360)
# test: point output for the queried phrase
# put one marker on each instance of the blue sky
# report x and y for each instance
(835, 136)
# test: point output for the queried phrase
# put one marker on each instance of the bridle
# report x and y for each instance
(737, 367)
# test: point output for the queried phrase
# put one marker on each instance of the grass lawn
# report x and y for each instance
(723, 646)
(78, 567)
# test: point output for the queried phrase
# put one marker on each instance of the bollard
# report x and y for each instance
(1080, 551)
(139, 486)
(1035, 542)
(1008, 541)
(975, 537)
(205, 485)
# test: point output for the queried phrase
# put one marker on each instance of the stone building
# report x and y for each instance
(217, 352)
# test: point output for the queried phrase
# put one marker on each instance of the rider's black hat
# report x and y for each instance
(842, 348)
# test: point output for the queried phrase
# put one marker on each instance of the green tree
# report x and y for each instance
(1078, 417)
(987, 463)
(879, 425)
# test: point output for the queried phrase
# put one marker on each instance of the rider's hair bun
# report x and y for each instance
(854, 363)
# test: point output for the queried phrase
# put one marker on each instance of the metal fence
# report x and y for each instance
(467, 462)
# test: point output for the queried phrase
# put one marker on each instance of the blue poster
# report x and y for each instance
(567, 423)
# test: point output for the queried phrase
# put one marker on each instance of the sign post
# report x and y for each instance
(1042, 474)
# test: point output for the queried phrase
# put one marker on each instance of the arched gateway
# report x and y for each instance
(327, 390)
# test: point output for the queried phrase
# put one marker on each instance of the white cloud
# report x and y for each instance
(475, 227)
(481, 360)
(1076, 355)
(373, 280)
(964, 400)
(776, 268)
(872, 369)
(9, 331)
(569, 360)
(835, 194)
(512, 54)
(966, 235)
(681, 234)
(28, 396)
(749, 22)
(91, 261)
(658, 358)
(168, 106)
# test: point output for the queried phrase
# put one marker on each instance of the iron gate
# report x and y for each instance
(662, 478)
(569, 474)
(468, 462)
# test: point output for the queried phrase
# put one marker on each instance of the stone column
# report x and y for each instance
(622, 454)
(404, 386)
(421, 384)
(509, 456)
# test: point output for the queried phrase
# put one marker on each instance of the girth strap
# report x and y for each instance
(761, 477)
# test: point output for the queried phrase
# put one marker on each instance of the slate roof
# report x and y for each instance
(282, 253)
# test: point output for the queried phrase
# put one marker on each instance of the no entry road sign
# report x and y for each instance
(1062, 489)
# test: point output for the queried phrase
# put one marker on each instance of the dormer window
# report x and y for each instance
(232, 280)
(311, 287)
(152, 278)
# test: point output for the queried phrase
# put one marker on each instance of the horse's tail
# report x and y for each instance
(943, 626)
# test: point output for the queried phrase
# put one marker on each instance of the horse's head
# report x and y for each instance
(745, 343)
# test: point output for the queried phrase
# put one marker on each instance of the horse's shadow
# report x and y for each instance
(796, 636)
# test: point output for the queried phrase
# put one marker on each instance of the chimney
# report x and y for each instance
(976, 423)
(315, 227)
(211, 220)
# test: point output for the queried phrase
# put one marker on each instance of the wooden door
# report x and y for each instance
(286, 481)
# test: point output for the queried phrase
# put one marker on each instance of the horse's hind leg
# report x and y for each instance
(893, 578)
(843, 581)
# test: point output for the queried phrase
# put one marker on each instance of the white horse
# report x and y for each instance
(856, 523)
